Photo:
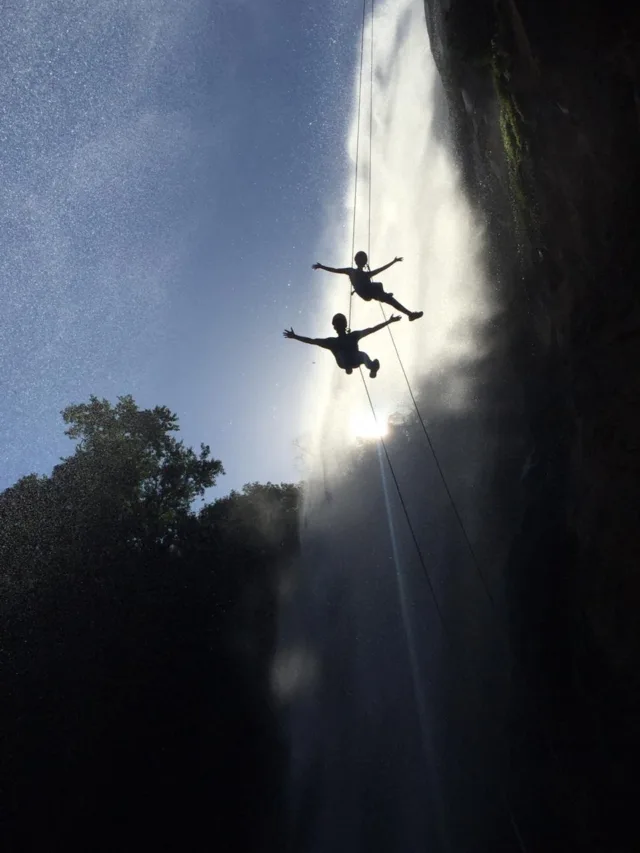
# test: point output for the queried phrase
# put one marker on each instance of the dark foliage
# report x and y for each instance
(136, 639)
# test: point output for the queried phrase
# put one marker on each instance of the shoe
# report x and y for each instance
(415, 315)
(375, 368)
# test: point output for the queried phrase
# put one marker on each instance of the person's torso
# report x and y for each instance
(345, 349)
(359, 280)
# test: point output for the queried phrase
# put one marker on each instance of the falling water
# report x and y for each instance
(369, 690)
(419, 212)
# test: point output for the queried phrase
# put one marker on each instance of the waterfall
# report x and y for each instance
(374, 691)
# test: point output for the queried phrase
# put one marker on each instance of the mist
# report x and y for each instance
(419, 212)
(390, 655)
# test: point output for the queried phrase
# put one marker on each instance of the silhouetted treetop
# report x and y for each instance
(137, 635)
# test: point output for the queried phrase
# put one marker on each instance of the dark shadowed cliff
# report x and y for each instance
(546, 100)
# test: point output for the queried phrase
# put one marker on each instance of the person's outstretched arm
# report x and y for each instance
(319, 342)
(394, 318)
(386, 266)
(343, 270)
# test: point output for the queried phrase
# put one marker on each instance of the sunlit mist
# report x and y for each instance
(293, 671)
(419, 212)
(364, 425)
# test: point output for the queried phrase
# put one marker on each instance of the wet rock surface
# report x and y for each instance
(546, 100)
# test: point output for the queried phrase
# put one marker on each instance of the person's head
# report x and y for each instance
(339, 323)
(361, 259)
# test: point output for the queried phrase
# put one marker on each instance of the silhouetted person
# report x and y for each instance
(367, 289)
(345, 346)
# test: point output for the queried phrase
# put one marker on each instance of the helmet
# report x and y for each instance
(361, 258)
(339, 321)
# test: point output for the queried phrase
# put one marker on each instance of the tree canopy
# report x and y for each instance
(137, 633)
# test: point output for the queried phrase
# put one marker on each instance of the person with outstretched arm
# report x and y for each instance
(365, 288)
(345, 347)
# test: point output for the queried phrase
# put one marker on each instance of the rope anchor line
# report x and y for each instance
(400, 362)
(513, 821)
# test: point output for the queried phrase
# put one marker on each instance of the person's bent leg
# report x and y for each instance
(372, 366)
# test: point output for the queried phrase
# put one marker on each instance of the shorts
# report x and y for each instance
(372, 290)
(350, 360)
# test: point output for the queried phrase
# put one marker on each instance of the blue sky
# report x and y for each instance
(166, 171)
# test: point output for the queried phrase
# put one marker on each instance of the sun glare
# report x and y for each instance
(364, 425)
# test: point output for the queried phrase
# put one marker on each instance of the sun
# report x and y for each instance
(364, 425)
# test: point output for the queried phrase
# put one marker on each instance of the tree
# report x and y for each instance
(264, 517)
(128, 488)
(137, 633)
(135, 472)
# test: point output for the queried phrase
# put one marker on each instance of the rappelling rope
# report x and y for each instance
(355, 178)
(405, 510)
(353, 240)
(456, 512)
(403, 505)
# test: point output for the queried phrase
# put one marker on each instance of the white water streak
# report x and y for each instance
(418, 212)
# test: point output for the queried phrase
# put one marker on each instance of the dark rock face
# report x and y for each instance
(546, 98)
